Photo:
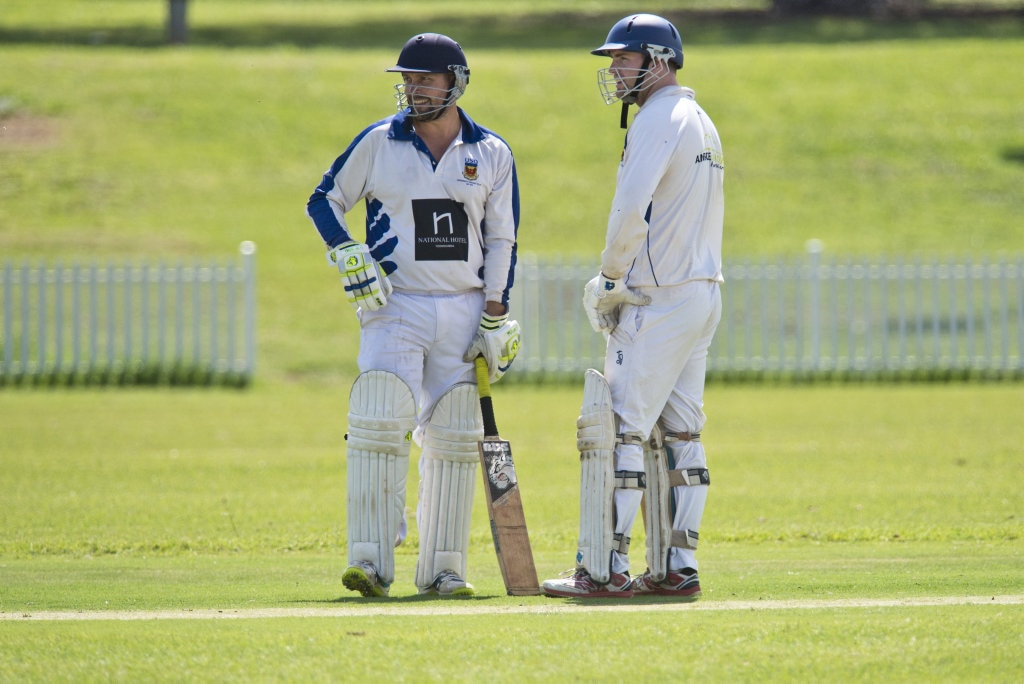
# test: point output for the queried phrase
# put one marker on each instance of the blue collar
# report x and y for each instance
(401, 128)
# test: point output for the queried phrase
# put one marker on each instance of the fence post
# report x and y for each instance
(248, 251)
(814, 249)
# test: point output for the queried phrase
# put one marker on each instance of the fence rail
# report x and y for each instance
(807, 317)
(129, 323)
(811, 317)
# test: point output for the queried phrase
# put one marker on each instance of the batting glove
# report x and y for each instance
(603, 296)
(366, 286)
(497, 340)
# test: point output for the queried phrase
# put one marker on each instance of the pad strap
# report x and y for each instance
(682, 437)
(689, 478)
(684, 539)
(630, 479)
(629, 438)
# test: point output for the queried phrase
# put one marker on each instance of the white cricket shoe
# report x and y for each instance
(361, 576)
(448, 583)
(683, 584)
(581, 585)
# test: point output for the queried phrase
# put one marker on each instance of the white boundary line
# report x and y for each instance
(457, 607)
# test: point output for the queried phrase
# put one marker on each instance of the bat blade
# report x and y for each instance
(504, 504)
(508, 523)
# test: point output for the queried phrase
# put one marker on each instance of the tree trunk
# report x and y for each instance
(177, 25)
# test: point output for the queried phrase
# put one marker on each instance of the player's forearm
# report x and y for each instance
(625, 236)
(325, 219)
(498, 271)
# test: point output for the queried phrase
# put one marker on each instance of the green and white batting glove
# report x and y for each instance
(366, 286)
(497, 340)
(603, 296)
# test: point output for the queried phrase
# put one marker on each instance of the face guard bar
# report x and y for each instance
(613, 82)
(447, 96)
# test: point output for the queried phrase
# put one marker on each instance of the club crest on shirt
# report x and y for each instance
(469, 169)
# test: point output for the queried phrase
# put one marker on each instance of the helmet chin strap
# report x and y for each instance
(634, 92)
(623, 118)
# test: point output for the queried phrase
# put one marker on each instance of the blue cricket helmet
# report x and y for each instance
(431, 53)
(647, 34)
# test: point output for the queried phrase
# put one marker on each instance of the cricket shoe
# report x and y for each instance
(581, 585)
(680, 584)
(448, 583)
(361, 576)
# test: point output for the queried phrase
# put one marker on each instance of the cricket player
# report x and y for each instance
(430, 281)
(658, 300)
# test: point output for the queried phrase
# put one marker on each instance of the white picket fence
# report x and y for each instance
(800, 318)
(182, 323)
(810, 317)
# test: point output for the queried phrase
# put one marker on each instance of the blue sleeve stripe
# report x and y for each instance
(318, 207)
(515, 245)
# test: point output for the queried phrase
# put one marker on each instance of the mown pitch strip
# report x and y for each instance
(478, 606)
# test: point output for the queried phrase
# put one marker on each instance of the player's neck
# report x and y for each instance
(439, 133)
(659, 85)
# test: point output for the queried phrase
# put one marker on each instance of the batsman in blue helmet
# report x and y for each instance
(429, 278)
(657, 299)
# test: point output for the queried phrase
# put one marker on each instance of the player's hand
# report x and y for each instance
(602, 298)
(366, 285)
(497, 340)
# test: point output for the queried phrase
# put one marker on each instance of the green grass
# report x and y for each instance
(871, 644)
(878, 138)
(157, 472)
(191, 500)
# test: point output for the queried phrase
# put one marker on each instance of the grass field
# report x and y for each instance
(854, 532)
(207, 527)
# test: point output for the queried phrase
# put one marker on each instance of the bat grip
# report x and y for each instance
(483, 377)
(483, 383)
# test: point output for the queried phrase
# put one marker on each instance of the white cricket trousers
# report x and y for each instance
(655, 365)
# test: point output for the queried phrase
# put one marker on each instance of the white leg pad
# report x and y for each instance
(447, 478)
(690, 481)
(595, 440)
(657, 505)
(382, 413)
(677, 488)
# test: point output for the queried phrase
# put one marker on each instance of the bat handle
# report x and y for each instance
(483, 377)
(483, 383)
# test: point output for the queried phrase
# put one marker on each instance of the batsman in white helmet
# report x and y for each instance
(658, 300)
(430, 281)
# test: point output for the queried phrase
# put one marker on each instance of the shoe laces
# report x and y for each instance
(446, 576)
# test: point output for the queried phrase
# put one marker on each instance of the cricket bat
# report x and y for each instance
(504, 505)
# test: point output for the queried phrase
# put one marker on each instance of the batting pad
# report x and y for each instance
(595, 440)
(674, 501)
(447, 476)
(690, 480)
(382, 413)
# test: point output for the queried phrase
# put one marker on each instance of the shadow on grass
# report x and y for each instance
(568, 30)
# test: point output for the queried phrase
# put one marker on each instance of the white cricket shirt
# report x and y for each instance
(665, 225)
(434, 226)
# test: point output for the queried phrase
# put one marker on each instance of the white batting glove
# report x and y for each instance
(497, 340)
(602, 298)
(366, 286)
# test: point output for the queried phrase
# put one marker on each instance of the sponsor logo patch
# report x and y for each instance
(442, 230)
